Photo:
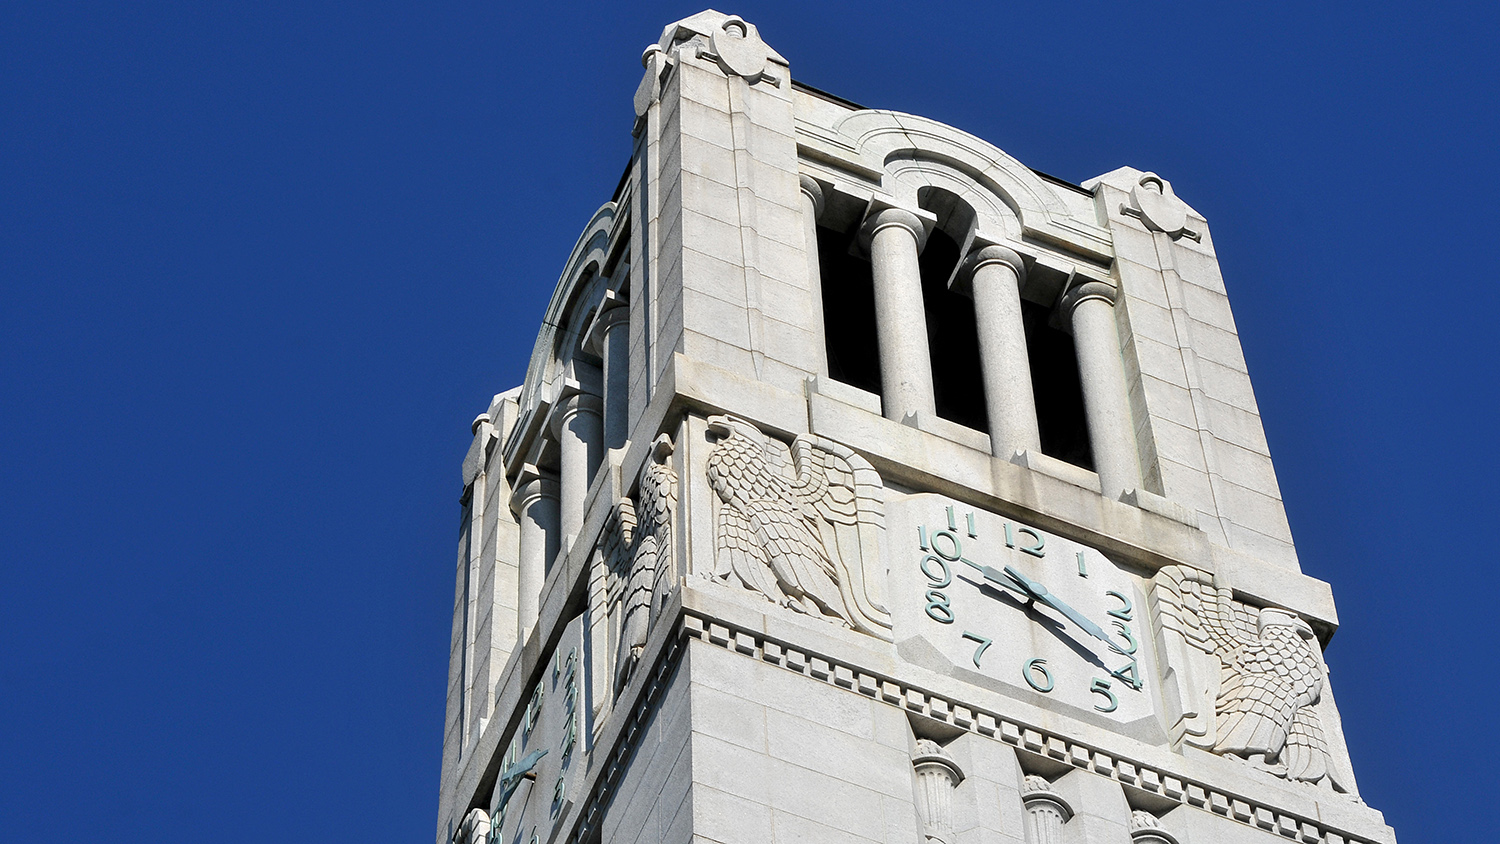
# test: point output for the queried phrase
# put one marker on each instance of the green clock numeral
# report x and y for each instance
(1038, 542)
(984, 643)
(1083, 569)
(1130, 675)
(1037, 676)
(1101, 687)
(1122, 612)
(1129, 639)
(944, 575)
(937, 607)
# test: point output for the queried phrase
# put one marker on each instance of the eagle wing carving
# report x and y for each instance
(798, 540)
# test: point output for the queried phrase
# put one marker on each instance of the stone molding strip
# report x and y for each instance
(971, 719)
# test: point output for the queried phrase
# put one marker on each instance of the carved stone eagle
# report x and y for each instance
(1271, 674)
(799, 538)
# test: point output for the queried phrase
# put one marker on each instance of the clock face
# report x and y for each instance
(1019, 610)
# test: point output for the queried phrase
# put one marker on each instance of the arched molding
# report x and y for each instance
(576, 294)
(1010, 199)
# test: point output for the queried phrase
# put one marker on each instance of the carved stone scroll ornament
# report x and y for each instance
(1270, 677)
(638, 544)
(800, 526)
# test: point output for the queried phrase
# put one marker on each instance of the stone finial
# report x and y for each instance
(481, 419)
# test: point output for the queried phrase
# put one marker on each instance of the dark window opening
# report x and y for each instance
(848, 313)
(952, 337)
(1058, 391)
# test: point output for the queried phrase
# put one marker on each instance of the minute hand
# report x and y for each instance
(1039, 592)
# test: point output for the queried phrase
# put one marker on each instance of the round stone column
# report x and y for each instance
(895, 238)
(609, 338)
(812, 208)
(536, 506)
(579, 429)
(1091, 311)
(995, 275)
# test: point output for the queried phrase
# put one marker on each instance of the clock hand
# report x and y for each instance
(511, 779)
(1040, 593)
(999, 578)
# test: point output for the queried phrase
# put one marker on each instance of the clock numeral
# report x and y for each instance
(1125, 631)
(952, 525)
(1130, 675)
(1035, 549)
(1083, 569)
(937, 607)
(973, 534)
(1101, 687)
(984, 643)
(944, 575)
(1037, 676)
(922, 537)
(1122, 612)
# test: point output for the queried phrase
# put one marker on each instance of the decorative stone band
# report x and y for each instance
(969, 718)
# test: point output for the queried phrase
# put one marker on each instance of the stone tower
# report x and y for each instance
(867, 485)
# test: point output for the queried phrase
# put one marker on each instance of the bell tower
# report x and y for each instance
(868, 485)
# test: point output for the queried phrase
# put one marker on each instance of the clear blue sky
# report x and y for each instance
(261, 263)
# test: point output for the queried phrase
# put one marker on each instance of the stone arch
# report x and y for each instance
(1011, 201)
(577, 291)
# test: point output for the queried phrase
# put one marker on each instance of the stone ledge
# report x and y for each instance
(1182, 779)
(1060, 469)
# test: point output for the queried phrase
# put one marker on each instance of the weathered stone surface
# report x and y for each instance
(707, 590)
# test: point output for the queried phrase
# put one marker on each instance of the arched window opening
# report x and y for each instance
(849, 327)
(957, 382)
(1057, 388)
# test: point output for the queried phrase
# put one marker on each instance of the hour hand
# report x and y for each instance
(1000, 578)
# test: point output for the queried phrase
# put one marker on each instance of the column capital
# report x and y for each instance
(891, 216)
(1080, 293)
(986, 256)
(613, 310)
(571, 401)
(812, 190)
(530, 485)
